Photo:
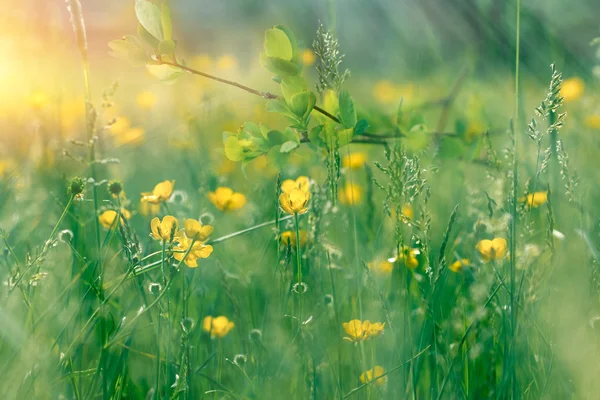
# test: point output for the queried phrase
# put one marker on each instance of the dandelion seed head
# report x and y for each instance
(240, 359)
(300, 288)
(255, 335)
(65, 236)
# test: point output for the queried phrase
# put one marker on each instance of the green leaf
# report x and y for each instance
(451, 148)
(275, 138)
(345, 136)
(278, 45)
(302, 103)
(288, 146)
(296, 55)
(149, 16)
(315, 136)
(278, 66)
(291, 85)
(165, 19)
(128, 49)
(167, 47)
(361, 127)
(166, 73)
(278, 106)
(147, 38)
(233, 150)
(347, 110)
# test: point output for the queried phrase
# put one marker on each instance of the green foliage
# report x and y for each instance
(150, 17)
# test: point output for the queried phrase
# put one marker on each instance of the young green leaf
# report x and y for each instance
(163, 72)
(149, 16)
(347, 110)
(278, 45)
(288, 146)
(165, 19)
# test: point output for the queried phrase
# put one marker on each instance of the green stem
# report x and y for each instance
(299, 271)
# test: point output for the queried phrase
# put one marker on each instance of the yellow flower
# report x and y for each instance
(290, 237)
(147, 209)
(217, 326)
(107, 218)
(572, 89)
(384, 267)
(295, 201)
(308, 57)
(301, 183)
(408, 257)
(195, 230)
(146, 100)
(458, 265)
(120, 125)
(226, 62)
(385, 92)
(492, 249)
(38, 99)
(358, 330)
(161, 193)
(198, 250)
(354, 160)
(372, 373)
(164, 230)
(5, 167)
(474, 129)
(536, 199)
(225, 199)
(592, 121)
(408, 211)
(203, 62)
(131, 136)
(350, 194)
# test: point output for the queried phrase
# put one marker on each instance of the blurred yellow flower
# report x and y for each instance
(131, 136)
(295, 201)
(164, 230)
(492, 249)
(350, 194)
(38, 99)
(225, 199)
(409, 257)
(473, 131)
(203, 62)
(408, 211)
(535, 199)
(308, 57)
(120, 125)
(301, 183)
(107, 218)
(226, 62)
(458, 265)
(217, 327)
(572, 89)
(161, 193)
(387, 92)
(354, 160)
(146, 100)
(195, 230)
(198, 250)
(290, 237)
(148, 209)
(383, 267)
(358, 330)
(6, 166)
(592, 121)
(374, 373)
(72, 113)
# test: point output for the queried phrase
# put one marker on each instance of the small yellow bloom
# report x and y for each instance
(350, 194)
(195, 230)
(572, 89)
(164, 230)
(358, 330)
(38, 99)
(536, 199)
(301, 183)
(409, 257)
(226, 62)
(198, 250)
(146, 100)
(354, 160)
(203, 62)
(147, 209)
(120, 125)
(308, 57)
(217, 326)
(385, 92)
(107, 218)
(131, 136)
(161, 193)
(290, 237)
(294, 202)
(225, 199)
(458, 265)
(374, 373)
(383, 268)
(6, 167)
(408, 211)
(592, 121)
(492, 249)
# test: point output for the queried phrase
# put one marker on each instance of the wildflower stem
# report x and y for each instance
(299, 272)
(250, 229)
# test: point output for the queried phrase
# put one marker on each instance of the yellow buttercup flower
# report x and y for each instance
(120, 125)
(308, 57)
(536, 199)
(592, 121)
(294, 202)
(408, 211)
(301, 183)
(350, 194)
(374, 373)
(132, 136)
(458, 265)
(198, 250)
(164, 230)
(107, 218)
(38, 99)
(225, 199)
(492, 249)
(146, 100)
(383, 268)
(218, 327)
(5, 167)
(354, 160)
(385, 92)
(290, 237)
(358, 330)
(195, 230)
(226, 62)
(572, 89)
(148, 209)
(161, 193)
(203, 62)
(409, 257)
